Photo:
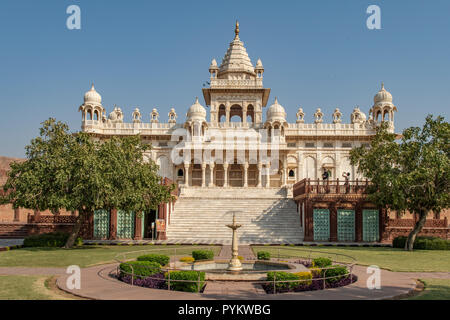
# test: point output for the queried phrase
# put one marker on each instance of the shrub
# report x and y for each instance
(203, 255)
(53, 239)
(187, 259)
(241, 258)
(316, 272)
(263, 255)
(322, 262)
(305, 275)
(425, 243)
(141, 269)
(159, 258)
(193, 284)
(283, 276)
(336, 272)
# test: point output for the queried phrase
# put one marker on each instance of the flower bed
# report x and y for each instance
(316, 284)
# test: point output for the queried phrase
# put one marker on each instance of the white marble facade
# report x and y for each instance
(236, 99)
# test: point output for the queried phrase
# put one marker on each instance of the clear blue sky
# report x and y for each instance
(157, 53)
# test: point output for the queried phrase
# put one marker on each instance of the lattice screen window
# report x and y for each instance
(346, 225)
(125, 224)
(371, 226)
(101, 224)
(321, 224)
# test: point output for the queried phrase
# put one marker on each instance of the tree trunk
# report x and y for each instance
(417, 228)
(75, 231)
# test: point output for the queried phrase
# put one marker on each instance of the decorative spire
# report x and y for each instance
(382, 85)
(236, 30)
(92, 86)
(276, 100)
(196, 100)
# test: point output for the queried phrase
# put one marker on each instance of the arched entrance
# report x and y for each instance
(236, 176)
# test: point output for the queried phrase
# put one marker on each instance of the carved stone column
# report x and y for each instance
(16, 215)
(246, 175)
(299, 168)
(259, 175)
(227, 113)
(211, 175)
(203, 174)
(113, 224)
(225, 174)
(186, 174)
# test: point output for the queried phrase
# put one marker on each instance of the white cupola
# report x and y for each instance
(276, 112)
(92, 97)
(196, 112)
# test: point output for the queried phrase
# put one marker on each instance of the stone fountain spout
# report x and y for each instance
(235, 264)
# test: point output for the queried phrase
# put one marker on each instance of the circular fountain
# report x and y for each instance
(236, 270)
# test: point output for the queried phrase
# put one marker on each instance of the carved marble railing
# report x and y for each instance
(236, 83)
(124, 128)
(327, 129)
(308, 186)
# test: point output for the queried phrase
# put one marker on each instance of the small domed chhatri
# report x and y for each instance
(92, 96)
(382, 95)
(276, 112)
(196, 111)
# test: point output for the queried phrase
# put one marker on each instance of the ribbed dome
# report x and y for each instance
(92, 96)
(382, 95)
(276, 112)
(196, 111)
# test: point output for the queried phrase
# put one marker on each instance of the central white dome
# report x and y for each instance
(382, 95)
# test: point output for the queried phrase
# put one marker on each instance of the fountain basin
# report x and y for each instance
(251, 270)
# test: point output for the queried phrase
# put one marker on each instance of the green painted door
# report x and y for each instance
(321, 224)
(101, 224)
(125, 224)
(346, 225)
(371, 231)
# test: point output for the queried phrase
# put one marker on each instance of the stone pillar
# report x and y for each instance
(244, 112)
(285, 174)
(259, 174)
(211, 175)
(267, 175)
(186, 174)
(309, 221)
(113, 224)
(227, 113)
(225, 174)
(138, 226)
(246, 175)
(16, 214)
(203, 174)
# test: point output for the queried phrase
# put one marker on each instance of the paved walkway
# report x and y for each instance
(99, 283)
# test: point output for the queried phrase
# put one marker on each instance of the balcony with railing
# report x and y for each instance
(236, 83)
(333, 187)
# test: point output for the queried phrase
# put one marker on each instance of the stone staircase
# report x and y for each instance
(267, 216)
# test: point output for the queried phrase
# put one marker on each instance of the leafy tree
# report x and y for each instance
(75, 172)
(411, 174)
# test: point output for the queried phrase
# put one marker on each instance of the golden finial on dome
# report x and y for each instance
(236, 30)
(382, 85)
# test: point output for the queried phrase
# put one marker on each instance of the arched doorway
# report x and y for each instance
(236, 113)
(236, 175)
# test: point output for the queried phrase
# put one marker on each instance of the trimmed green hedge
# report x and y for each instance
(425, 243)
(263, 255)
(283, 276)
(203, 255)
(194, 286)
(53, 239)
(140, 269)
(337, 272)
(321, 262)
(159, 258)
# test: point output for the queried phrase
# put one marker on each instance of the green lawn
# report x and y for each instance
(84, 256)
(385, 257)
(22, 288)
(435, 289)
